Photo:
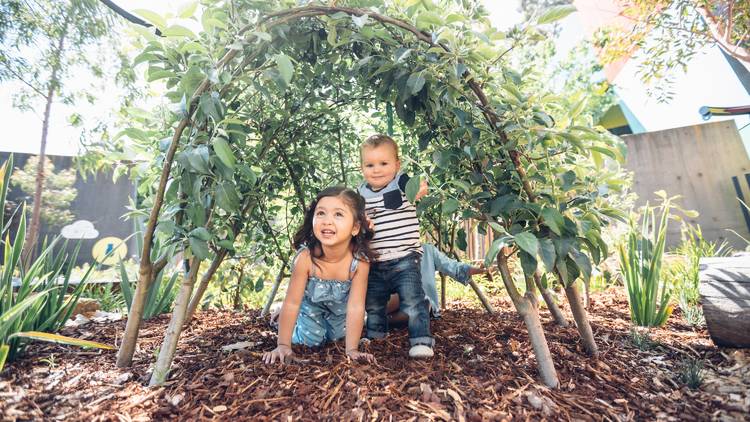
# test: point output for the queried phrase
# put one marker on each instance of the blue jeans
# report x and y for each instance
(400, 276)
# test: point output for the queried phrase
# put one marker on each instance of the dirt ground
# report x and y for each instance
(483, 369)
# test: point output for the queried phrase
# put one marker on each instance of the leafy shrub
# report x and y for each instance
(109, 299)
(685, 275)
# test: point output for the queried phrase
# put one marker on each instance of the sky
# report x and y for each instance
(22, 130)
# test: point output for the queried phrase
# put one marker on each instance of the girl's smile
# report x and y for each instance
(333, 221)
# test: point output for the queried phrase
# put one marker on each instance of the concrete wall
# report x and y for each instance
(99, 201)
(697, 162)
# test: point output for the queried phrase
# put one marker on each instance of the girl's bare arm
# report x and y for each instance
(355, 312)
(294, 294)
(290, 309)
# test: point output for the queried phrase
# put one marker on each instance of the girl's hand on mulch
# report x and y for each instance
(283, 353)
(356, 355)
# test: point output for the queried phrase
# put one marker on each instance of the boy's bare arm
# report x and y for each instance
(423, 188)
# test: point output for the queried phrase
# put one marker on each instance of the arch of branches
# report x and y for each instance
(270, 114)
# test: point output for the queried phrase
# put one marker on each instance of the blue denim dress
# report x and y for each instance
(322, 314)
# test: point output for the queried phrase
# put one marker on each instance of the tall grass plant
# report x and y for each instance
(33, 302)
(641, 261)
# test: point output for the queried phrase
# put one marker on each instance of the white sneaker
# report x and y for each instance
(421, 351)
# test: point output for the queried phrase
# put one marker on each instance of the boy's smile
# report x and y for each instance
(379, 165)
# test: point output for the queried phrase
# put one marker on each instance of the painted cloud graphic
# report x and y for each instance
(81, 229)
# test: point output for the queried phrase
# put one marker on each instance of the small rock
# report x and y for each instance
(220, 408)
(123, 378)
(239, 346)
(176, 399)
(534, 400)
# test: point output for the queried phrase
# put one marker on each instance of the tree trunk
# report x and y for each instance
(530, 293)
(550, 301)
(274, 290)
(482, 298)
(586, 293)
(36, 212)
(530, 316)
(581, 319)
(172, 335)
(237, 302)
(145, 273)
(146, 268)
(442, 291)
(203, 285)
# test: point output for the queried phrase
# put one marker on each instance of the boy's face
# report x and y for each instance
(379, 165)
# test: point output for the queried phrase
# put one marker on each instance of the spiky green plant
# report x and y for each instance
(640, 263)
(33, 301)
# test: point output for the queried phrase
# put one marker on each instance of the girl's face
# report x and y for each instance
(333, 221)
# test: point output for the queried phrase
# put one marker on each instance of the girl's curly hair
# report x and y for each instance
(360, 243)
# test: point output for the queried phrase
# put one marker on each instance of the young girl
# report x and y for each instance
(326, 296)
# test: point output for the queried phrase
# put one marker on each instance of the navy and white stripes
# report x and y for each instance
(395, 219)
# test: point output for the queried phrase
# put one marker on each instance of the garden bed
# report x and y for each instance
(483, 370)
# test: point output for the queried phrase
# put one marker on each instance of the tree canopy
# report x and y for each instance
(267, 108)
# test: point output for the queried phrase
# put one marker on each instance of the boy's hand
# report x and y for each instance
(422, 190)
(282, 352)
(370, 223)
(356, 355)
(477, 270)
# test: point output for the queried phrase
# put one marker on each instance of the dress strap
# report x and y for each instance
(353, 267)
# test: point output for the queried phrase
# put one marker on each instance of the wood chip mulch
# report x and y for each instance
(483, 369)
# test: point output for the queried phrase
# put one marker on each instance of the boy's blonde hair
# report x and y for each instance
(374, 141)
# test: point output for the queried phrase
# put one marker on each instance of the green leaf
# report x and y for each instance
(152, 17)
(527, 242)
(415, 82)
(495, 248)
(226, 198)
(156, 74)
(461, 184)
(497, 227)
(166, 226)
(427, 19)
(198, 159)
(4, 349)
(188, 10)
(691, 213)
(201, 233)
(178, 31)
(555, 13)
(449, 206)
(582, 262)
(210, 105)
(56, 338)
(528, 264)
(554, 220)
(199, 248)
(226, 244)
(547, 253)
(412, 188)
(224, 152)
(286, 68)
